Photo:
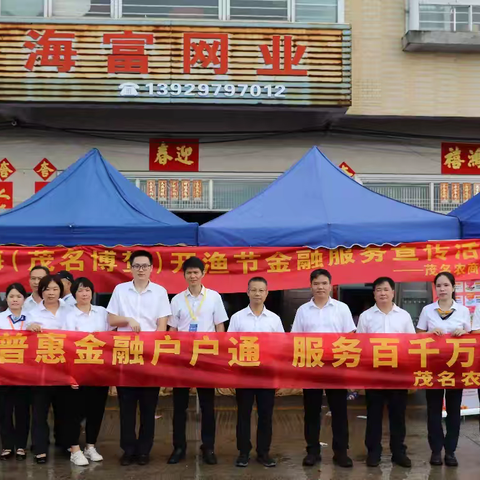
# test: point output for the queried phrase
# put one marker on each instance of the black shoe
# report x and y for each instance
(177, 455)
(41, 460)
(242, 460)
(373, 460)
(402, 460)
(127, 460)
(342, 459)
(209, 456)
(451, 460)
(21, 456)
(143, 459)
(266, 460)
(436, 459)
(311, 460)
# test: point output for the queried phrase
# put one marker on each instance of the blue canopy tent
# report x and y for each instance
(315, 204)
(469, 216)
(92, 203)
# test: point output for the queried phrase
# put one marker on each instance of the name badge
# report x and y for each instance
(193, 327)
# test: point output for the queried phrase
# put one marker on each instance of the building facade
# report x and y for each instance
(378, 84)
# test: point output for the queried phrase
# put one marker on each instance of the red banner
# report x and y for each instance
(174, 155)
(266, 360)
(6, 195)
(461, 158)
(228, 269)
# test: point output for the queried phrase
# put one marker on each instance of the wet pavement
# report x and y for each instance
(287, 447)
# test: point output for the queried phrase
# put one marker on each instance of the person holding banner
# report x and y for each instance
(86, 402)
(444, 317)
(323, 314)
(197, 309)
(36, 274)
(14, 400)
(386, 317)
(50, 314)
(255, 318)
(138, 306)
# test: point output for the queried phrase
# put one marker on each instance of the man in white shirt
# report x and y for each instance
(67, 280)
(252, 319)
(386, 317)
(36, 274)
(323, 314)
(197, 309)
(138, 306)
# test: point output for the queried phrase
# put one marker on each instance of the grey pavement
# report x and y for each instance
(287, 447)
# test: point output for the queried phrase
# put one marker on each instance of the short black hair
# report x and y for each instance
(81, 282)
(141, 253)
(45, 282)
(320, 271)
(381, 280)
(257, 279)
(17, 286)
(66, 275)
(451, 279)
(40, 267)
(193, 262)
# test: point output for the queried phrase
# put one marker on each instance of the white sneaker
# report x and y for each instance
(92, 454)
(78, 458)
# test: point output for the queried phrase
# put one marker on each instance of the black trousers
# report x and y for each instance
(87, 403)
(265, 401)
(147, 399)
(436, 437)
(42, 398)
(206, 397)
(396, 401)
(14, 416)
(312, 403)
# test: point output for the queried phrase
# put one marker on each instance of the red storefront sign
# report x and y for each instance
(45, 169)
(229, 360)
(229, 269)
(167, 155)
(461, 158)
(6, 195)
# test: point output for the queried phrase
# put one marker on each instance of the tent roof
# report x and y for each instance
(469, 215)
(92, 203)
(315, 204)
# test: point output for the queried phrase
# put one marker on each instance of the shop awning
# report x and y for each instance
(315, 204)
(92, 203)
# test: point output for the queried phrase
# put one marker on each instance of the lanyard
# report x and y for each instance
(13, 324)
(193, 315)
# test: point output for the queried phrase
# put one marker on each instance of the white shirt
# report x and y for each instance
(334, 317)
(396, 320)
(476, 319)
(47, 319)
(94, 321)
(430, 319)
(6, 324)
(146, 307)
(207, 307)
(30, 304)
(70, 300)
(246, 321)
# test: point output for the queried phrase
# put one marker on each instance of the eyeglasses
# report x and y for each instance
(145, 266)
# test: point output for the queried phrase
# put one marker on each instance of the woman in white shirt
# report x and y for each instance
(14, 400)
(86, 402)
(444, 317)
(50, 314)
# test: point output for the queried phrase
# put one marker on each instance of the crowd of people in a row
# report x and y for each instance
(58, 302)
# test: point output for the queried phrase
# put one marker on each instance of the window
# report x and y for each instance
(316, 11)
(259, 10)
(449, 18)
(24, 8)
(170, 8)
(81, 8)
